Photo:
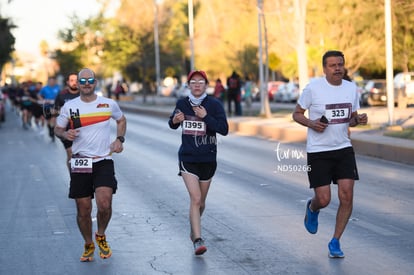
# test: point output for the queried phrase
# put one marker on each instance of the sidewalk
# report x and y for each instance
(281, 127)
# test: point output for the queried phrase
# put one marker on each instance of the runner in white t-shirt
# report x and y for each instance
(332, 104)
(92, 168)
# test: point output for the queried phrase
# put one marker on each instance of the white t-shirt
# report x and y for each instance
(93, 121)
(337, 103)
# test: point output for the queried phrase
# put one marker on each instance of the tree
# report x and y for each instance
(247, 61)
(84, 41)
(403, 35)
(69, 61)
(226, 34)
(138, 17)
(7, 41)
(354, 27)
(122, 46)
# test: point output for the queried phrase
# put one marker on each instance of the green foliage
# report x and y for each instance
(69, 61)
(403, 34)
(274, 62)
(121, 46)
(84, 44)
(355, 27)
(247, 61)
(6, 41)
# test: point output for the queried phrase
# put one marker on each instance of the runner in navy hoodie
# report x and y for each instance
(200, 117)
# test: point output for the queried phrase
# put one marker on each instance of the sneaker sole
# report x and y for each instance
(86, 259)
(103, 256)
(201, 250)
(335, 256)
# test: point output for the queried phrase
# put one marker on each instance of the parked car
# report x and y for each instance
(169, 87)
(363, 98)
(376, 90)
(287, 92)
(183, 91)
(362, 93)
(404, 89)
(272, 87)
(210, 90)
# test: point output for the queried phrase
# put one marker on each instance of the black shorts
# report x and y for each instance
(48, 110)
(37, 110)
(26, 107)
(66, 143)
(203, 170)
(330, 166)
(84, 184)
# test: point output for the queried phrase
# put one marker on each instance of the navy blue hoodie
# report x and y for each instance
(195, 147)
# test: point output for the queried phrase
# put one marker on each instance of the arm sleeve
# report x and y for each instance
(116, 111)
(170, 122)
(63, 117)
(218, 121)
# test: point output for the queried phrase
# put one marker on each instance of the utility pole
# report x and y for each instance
(389, 62)
(264, 98)
(157, 49)
(191, 30)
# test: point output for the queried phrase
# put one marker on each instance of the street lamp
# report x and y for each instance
(261, 77)
(157, 48)
(264, 99)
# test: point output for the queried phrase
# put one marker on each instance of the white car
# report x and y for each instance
(404, 89)
(183, 91)
(287, 92)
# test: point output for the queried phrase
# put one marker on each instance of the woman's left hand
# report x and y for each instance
(200, 111)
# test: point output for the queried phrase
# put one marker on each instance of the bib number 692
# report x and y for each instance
(81, 165)
(81, 162)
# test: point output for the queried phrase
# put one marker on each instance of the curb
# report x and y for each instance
(387, 148)
(277, 128)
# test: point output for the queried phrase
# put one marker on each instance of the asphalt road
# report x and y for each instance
(253, 223)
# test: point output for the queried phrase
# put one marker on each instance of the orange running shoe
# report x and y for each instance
(87, 255)
(104, 250)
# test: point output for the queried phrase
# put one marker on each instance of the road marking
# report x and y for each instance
(55, 220)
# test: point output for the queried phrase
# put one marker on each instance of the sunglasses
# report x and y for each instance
(83, 81)
(199, 82)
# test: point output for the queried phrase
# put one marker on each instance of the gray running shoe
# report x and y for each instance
(199, 247)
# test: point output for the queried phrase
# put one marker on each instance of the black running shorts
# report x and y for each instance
(84, 184)
(203, 170)
(329, 166)
(66, 143)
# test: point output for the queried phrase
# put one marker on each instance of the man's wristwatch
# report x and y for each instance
(121, 139)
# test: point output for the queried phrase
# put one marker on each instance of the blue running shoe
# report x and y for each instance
(311, 219)
(335, 249)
